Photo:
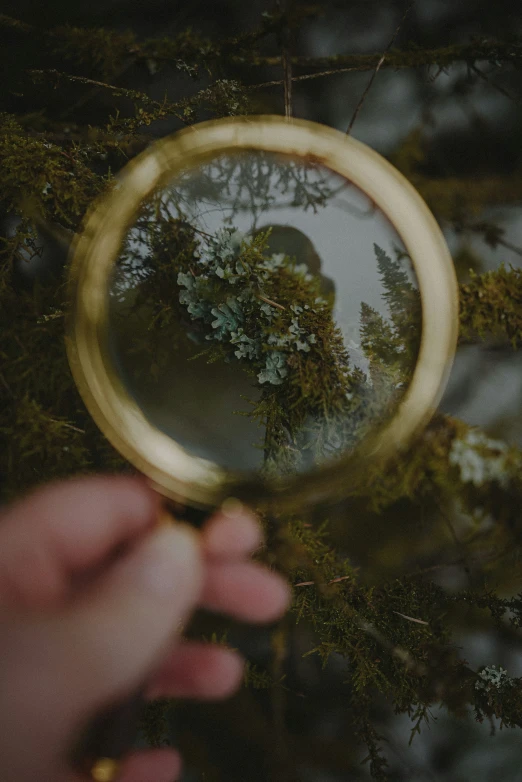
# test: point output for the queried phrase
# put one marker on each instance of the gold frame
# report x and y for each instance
(170, 469)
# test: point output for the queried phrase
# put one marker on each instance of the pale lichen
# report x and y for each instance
(224, 274)
(480, 459)
(491, 676)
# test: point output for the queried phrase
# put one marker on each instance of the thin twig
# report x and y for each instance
(6, 385)
(485, 50)
(510, 246)
(17, 339)
(411, 618)
(482, 228)
(273, 303)
(68, 426)
(79, 79)
(376, 71)
(303, 77)
(432, 568)
(286, 61)
(83, 99)
(333, 581)
(497, 87)
(399, 652)
(459, 545)
(203, 233)
(287, 68)
(281, 755)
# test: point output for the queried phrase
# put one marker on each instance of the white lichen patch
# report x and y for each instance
(491, 676)
(480, 459)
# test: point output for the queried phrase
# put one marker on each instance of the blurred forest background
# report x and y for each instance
(413, 662)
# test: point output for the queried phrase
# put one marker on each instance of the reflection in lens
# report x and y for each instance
(263, 313)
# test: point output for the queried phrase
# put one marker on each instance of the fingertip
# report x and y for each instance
(160, 765)
(231, 535)
(281, 595)
(199, 670)
(246, 591)
(224, 677)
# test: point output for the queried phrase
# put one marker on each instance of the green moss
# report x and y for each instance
(39, 174)
(491, 305)
(155, 723)
(95, 50)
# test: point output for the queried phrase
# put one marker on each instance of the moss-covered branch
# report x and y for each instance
(396, 636)
(453, 460)
(37, 173)
(480, 50)
(491, 304)
(106, 50)
(451, 197)
(459, 199)
(224, 97)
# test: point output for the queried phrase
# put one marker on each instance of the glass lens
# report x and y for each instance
(263, 313)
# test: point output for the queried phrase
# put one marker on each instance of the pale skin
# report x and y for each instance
(92, 597)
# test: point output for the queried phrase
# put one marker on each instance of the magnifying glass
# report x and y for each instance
(260, 308)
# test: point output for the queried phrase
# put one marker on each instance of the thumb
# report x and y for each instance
(112, 638)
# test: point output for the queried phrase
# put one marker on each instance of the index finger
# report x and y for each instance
(68, 528)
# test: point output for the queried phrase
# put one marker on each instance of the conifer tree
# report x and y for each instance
(376, 619)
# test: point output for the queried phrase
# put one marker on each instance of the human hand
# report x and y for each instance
(92, 596)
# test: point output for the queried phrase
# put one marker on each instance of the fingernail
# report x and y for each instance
(232, 507)
(171, 556)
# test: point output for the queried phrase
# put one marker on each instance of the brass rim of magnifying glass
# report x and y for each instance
(169, 467)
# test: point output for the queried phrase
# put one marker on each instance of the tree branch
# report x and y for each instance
(378, 67)
(491, 51)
